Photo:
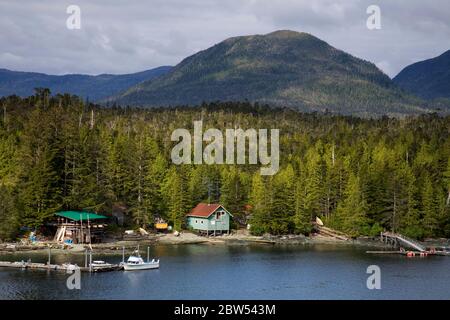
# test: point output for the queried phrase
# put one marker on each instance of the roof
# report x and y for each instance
(80, 215)
(204, 210)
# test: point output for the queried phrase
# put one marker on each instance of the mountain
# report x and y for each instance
(92, 87)
(284, 68)
(429, 79)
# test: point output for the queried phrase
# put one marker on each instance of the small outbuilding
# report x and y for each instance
(79, 227)
(209, 219)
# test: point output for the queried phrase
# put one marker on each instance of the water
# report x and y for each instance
(239, 272)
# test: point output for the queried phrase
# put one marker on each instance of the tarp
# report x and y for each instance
(80, 215)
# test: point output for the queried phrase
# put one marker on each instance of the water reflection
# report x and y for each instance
(238, 272)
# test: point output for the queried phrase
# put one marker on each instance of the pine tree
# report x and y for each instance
(352, 211)
(302, 218)
(313, 196)
(407, 213)
(260, 203)
(232, 193)
(39, 187)
(200, 185)
(430, 209)
(283, 203)
(153, 198)
(175, 194)
(9, 214)
(9, 159)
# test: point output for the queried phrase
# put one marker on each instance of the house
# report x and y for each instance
(209, 219)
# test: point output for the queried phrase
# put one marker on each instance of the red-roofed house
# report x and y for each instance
(209, 219)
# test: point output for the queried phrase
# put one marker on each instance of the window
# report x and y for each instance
(219, 214)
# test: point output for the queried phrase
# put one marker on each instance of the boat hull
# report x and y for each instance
(144, 266)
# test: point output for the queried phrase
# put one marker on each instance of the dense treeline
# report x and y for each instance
(360, 176)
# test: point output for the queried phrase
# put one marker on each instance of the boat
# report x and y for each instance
(135, 262)
(101, 264)
(70, 267)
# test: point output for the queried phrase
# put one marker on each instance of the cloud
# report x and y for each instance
(128, 36)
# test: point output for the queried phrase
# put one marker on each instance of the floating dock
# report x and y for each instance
(57, 267)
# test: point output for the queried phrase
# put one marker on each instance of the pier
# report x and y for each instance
(408, 247)
(89, 266)
(57, 267)
(397, 239)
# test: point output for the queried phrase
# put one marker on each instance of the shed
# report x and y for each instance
(79, 227)
(209, 219)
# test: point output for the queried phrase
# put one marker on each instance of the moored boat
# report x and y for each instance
(101, 264)
(135, 262)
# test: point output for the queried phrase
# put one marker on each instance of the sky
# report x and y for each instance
(118, 36)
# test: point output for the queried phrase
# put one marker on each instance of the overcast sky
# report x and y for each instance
(124, 36)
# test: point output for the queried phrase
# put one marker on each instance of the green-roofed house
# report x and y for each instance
(79, 227)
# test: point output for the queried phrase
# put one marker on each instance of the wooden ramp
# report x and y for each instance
(330, 232)
(400, 239)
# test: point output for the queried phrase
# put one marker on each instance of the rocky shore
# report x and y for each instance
(237, 238)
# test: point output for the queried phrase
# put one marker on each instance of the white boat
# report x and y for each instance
(69, 267)
(135, 262)
(101, 264)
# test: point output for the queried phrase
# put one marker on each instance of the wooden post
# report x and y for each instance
(148, 254)
(123, 254)
(90, 260)
(85, 258)
(49, 256)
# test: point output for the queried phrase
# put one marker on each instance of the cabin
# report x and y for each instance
(79, 227)
(209, 219)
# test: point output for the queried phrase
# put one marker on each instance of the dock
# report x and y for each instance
(89, 265)
(396, 240)
(30, 265)
(57, 267)
(406, 253)
(408, 247)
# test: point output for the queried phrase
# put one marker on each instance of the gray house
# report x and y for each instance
(209, 219)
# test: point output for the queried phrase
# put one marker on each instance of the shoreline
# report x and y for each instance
(187, 238)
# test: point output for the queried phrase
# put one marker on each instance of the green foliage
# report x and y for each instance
(351, 212)
(9, 214)
(178, 203)
(358, 175)
(233, 192)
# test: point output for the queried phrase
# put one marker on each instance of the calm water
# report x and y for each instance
(240, 272)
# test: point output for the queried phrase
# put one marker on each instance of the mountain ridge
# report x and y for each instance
(281, 68)
(428, 79)
(94, 87)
